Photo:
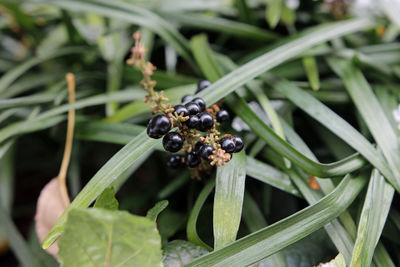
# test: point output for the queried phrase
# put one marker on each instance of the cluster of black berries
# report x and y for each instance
(196, 118)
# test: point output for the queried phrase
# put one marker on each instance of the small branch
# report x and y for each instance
(68, 142)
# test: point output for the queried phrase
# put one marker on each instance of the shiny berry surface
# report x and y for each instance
(158, 126)
(227, 144)
(192, 159)
(222, 116)
(186, 98)
(238, 144)
(206, 122)
(206, 151)
(179, 109)
(197, 147)
(203, 84)
(173, 142)
(174, 161)
(192, 108)
(192, 122)
(200, 102)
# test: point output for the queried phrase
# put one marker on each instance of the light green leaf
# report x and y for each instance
(153, 213)
(269, 175)
(372, 220)
(179, 252)
(335, 124)
(271, 239)
(373, 114)
(311, 67)
(191, 229)
(273, 12)
(107, 200)
(228, 200)
(97, 237)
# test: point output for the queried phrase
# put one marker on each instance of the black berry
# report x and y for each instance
(206, 151)
(238, 144)
(197, 147)
(200, 102)
(192, 122)
(192, 108)
(174, 161)
(192, 159)
(227, 144)
(158, 126)
(222, 116)
(173, 142)
(148, 121)
(186, 98)
(179, 109)
(206, 122)
(203, 84)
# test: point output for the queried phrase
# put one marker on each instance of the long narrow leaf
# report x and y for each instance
(271, 239)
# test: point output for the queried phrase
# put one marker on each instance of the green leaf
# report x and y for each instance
(204, 57)
(335, 124)
(107, 200)
(344, 166)
(273, 58)
(121, 161)
(179, 252)
(271, 239)
(372, 220)
(153, 213)
(269, 175)
(7, 79)
(373, 114)
(218, 24)
(191, 229)
(131, 152)
(132, 14)
(273, 12)
(311, 67)
(16, 240)
(228, 200)
(97, 237)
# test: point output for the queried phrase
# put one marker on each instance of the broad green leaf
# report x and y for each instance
(191, 229)
(121, 161)
(372, 220)
(177, 253)
(107, 200)
(97, 237)
(153, 213)
(311, 67)
(271, 239)
(228, 200)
